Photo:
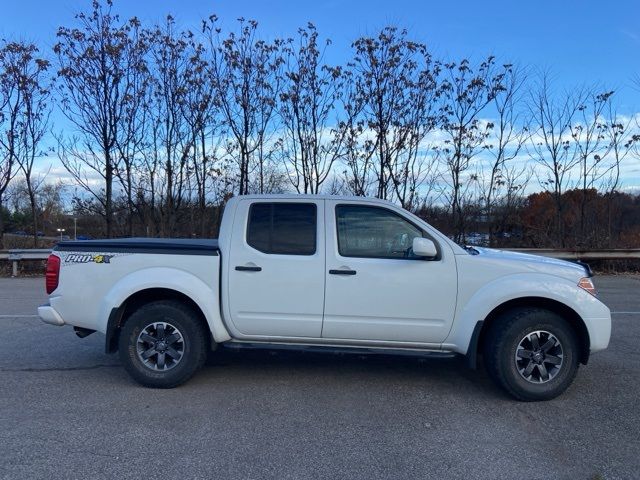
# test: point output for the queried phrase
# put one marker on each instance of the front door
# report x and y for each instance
(376, 289)
(276, 269)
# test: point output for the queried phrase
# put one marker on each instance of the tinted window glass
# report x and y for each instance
(259, 229)
(374, 232)
(283, 228)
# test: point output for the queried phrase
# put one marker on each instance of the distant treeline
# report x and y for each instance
(162, 125)
(613, 221)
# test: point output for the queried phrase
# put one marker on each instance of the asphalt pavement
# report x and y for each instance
(67, 410)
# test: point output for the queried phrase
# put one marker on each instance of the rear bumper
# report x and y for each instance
(49, 315)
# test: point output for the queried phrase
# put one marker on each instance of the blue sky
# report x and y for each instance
(581, 42)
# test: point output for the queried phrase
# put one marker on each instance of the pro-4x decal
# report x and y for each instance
(88, 258)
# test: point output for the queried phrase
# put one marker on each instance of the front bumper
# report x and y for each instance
(49, 315)
(599, 332)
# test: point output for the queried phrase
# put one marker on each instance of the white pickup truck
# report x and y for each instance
(328, 273)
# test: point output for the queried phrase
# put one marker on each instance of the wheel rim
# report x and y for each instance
(160, 346)
(539, 356)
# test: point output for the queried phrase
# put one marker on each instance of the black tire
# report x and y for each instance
(178, 321)
(506, 342)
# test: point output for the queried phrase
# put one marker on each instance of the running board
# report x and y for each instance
(337, 349)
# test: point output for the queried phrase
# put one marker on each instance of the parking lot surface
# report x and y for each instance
(67, 410)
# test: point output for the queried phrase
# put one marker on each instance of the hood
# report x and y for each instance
(554, 266)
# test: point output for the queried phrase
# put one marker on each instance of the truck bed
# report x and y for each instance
(169, 246)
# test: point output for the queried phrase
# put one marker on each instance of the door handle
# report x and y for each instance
(342, 272)
(243, 268)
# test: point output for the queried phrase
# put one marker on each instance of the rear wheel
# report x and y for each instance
(532, 353)
(163, 344)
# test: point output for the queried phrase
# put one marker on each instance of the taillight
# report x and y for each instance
(53, 273)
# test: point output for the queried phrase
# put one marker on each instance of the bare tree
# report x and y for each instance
(466, 93)
(392, 102)
(202, 112)
(50, 202)
(508, 136)
(358, 162)
(588, 132)
(94, 89)
(620, 141)
(134, 123)
(24, 113)
(552, 145)
(10, 112)
(247, 74)
(636, 136)
(311, 143)
(510, 198)
(177, 68)
(28, 72)
(413, 172)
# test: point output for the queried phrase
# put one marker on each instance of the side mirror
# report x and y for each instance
(423, 247)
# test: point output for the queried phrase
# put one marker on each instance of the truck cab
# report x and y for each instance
(314, 267)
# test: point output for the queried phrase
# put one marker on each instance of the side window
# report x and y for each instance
(283, 228)
(374, 232)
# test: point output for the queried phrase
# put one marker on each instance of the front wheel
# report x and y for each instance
(532, 354)
(163, 344)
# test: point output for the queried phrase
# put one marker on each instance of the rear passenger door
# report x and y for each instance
(276, 269)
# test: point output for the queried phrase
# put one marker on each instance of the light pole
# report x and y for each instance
(61, 230)
(75, 228)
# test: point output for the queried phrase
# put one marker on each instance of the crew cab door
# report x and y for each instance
(276, 268)
(376, 289)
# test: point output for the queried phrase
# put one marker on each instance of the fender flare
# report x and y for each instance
(206, 298)
(470, 317)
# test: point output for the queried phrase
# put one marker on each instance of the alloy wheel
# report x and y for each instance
(160, 346)
(539, 356)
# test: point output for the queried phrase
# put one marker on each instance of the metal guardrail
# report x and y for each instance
(17, 255)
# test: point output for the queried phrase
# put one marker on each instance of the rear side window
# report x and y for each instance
(283, 228)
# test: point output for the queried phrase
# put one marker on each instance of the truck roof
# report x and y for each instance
(301, 196)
